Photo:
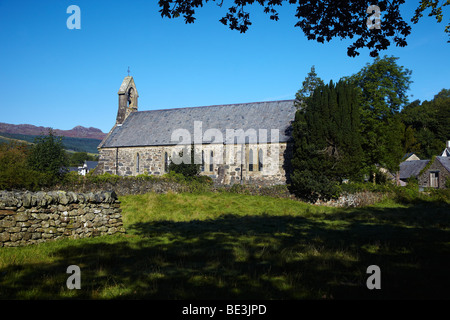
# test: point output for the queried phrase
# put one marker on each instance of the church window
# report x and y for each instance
(130, 97)
(137, 163)
(202, 167)
(250, 160)
(260, 160)
(166, 162)
(211, 162)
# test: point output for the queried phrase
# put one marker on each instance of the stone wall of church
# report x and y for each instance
(263, 164)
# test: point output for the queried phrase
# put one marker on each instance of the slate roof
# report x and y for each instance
(91, 164)
(155, 127)
(445, 161)
(411, 168)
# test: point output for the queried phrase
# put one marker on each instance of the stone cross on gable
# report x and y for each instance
(128, 71)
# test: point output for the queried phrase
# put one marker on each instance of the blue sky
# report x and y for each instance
(60, 78)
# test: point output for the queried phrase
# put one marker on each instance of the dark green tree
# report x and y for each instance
(311, 82)
(327, 146)
(442, 103)
(48, 156)
(14, 170)
(409, 141)
(430, 123)
(384, 85)
(78, 158)
(189, 168)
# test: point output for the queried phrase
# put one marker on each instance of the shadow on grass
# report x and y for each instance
(311, 256)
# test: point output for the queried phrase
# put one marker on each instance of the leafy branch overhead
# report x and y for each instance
(322, 20)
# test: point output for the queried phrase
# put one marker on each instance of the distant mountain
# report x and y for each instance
(69, 143)
(28, 129)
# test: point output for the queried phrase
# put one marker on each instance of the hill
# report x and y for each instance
(69, 143)
(29, 129)
(78, 139)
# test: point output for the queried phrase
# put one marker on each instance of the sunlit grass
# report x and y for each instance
(226, 245)
(187, 207)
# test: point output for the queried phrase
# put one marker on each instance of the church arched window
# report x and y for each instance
(130, 97)
(211, 162)
(166, 162)
(260, 160)
(137, 163)
(250, 160)
(202, 167)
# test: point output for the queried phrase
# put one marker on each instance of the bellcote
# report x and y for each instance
(128, 99)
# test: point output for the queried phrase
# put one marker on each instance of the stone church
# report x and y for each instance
(236, 143)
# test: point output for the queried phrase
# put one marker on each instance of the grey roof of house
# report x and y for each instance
(91, 164)
(445, 161)
(412, 168)
(155, 127)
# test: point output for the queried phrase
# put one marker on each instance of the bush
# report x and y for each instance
(440, 195)
(407, 195)
(23, 178)
(311, 187)
(190, 184)
(239, 189)
(181, 178)
(190, 169)
(174, 176)
(410, 194)
(73, 178)
(204, 180)
(48, 156)
(15, 172)
(103, 178)
(146, 177)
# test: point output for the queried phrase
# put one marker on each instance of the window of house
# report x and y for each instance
(434, 179)
(250, 160)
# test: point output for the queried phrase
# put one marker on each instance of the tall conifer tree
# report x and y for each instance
(311, 82)
(327, 146)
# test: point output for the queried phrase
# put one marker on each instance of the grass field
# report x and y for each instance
(231, 246)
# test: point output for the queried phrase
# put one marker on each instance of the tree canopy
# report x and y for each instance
(327, 144)
(311, 82)
(360, 125)
(384, 86)
(48, 155)
(323, 20)
(189, 166)
(427, 125)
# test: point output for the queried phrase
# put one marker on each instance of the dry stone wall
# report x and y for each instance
(34, 217)
(358, 199)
